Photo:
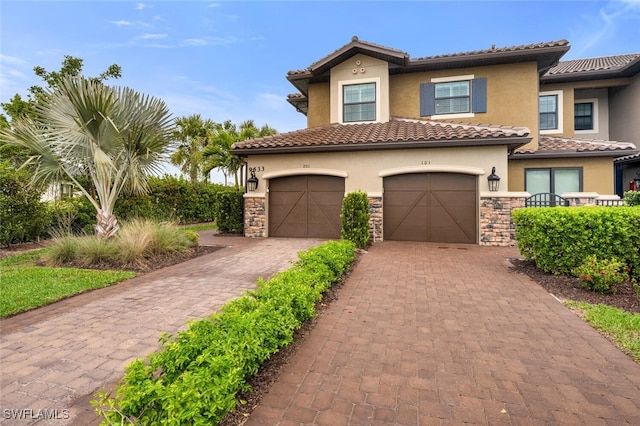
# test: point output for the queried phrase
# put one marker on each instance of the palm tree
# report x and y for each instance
(218, 155)
(115, 136)
(191, 135)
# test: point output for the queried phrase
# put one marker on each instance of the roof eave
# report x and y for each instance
(571, 154)
(629, 70)
(511, 142)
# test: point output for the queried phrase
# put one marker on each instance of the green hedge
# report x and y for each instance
(355, 218)
(171, 198)
(559, 239)
(229, 211)
(22, 216)
(195, 377)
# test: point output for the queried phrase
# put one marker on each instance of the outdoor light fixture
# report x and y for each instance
(636, 181)
(494, 180)
(252, 182)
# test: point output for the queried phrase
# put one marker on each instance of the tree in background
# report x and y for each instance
(191, 136)
(115, 136)
(217, 154)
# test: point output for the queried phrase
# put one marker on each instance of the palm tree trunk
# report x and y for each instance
(107, 225)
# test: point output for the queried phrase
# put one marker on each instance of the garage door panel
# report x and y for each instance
(435, 207)
(305, 206)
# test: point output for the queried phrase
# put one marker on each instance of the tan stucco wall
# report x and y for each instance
(597, 173)
(362, 168)
(512, 95)
(359, 69)
(319, 112)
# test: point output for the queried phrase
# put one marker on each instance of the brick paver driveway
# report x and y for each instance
(56, 357)
(427, 334)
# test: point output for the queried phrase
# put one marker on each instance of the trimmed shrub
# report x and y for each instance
(355, 218)
(195, 377)
(559, 239)
(22, 216)
(229, 211)
(171, 199)
(601, 276)
(632, 198)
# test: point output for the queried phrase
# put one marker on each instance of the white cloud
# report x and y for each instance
(214, 5)
(270, 101)
(142, 6)
(595, 31)
(195, 42)
(121, 23)
(11, 60)
(153, 36)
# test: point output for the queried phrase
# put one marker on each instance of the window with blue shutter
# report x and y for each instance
(454, 97)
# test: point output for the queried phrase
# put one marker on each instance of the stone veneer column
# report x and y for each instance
(580, 198)
(496, 225)
(375, 219)
(255, 218)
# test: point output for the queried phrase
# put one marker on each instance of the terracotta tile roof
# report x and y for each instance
(604, 63)
(395, 131)
(522, 47)
(555, 146)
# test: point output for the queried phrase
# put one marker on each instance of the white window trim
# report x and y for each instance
(595, 110)
(449, 80)
(560, 123)
(343, 83)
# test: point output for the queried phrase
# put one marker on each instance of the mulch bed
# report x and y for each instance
(569, 288)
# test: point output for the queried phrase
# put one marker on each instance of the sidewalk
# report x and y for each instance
(55, 358)
(433, 334)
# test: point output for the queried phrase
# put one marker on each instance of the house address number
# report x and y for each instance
(425, 162)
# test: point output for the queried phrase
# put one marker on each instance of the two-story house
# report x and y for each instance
(422, 137)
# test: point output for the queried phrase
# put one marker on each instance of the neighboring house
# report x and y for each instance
(407, 132)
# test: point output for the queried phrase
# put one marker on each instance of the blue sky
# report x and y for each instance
(229, 59)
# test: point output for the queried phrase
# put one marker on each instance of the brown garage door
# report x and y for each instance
(434, 207)
(305, 206)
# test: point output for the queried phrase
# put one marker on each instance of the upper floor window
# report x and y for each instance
(359, 102)
(585, 115)
(550, 110)
(453, 97)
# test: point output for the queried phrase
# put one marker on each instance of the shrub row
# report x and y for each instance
(560, 239)
(195, 377)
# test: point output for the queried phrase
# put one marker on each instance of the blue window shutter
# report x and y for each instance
(427, 99)
(479, 95)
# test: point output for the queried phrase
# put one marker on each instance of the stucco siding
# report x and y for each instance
(363, 168)
(597, 173)
(511, 95)
(624, 112)
(319, 105)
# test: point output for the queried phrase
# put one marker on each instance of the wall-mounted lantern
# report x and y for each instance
(494, 180)
(252, 182)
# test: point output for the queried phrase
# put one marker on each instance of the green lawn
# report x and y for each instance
(622, 327)
(24, 286)
(200, 226)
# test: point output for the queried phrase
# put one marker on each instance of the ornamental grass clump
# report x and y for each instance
(601, 276)
(136, 245)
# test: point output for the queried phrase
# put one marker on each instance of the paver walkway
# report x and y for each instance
(55, 356)
(427, 334)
